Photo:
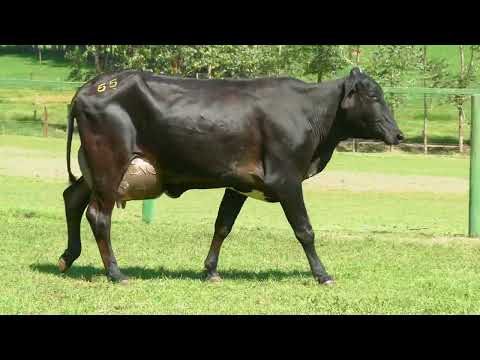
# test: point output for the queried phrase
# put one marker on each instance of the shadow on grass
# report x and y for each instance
(436, 139)
(135, 272)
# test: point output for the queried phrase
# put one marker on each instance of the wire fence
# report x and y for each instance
(35, 107)
(429, 122)
(430, 118)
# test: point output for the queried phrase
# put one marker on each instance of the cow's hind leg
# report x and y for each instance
(76, 198)
(293, 205)
(99, 215)
(230, 207)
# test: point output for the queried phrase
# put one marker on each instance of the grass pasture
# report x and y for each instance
(392, 246)
(20, 98)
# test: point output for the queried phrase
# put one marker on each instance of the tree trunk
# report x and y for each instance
(280, 59)
(105, 58)
(45, 122)
(96, 54)
(425, 125)
(209, 71)
(319, 77)
(393, 115)
(425, 106)
(39, 54)
(174, 68)
(357, 63)
(470, 65)
(460, 108)
(357, 57)
(461, 117)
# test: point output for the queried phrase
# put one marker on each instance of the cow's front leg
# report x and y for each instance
(291, 199)
(99, 215)
(230, 207)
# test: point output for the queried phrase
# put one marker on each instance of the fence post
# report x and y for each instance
(425, 125)
(425, 109)
(474, 200)
(148, 211)
(45, 122)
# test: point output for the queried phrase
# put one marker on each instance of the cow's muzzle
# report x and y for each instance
(391, 133)
(394, 139)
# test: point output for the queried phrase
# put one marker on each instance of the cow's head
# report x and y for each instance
(366, 113)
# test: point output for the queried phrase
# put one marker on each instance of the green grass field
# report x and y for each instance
(26, 66)
(19, 100)
(391, 252)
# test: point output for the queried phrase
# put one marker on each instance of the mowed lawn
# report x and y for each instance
(391, 252)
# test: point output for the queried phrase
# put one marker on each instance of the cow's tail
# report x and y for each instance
(70, 125)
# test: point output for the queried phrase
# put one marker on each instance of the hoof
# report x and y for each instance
(122, 281)
(327, 280)
(214, 278)
(118, 278)
(62, 265)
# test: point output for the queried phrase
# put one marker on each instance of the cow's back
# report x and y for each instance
(198, 131)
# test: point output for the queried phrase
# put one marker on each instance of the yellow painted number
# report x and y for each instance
(101, 87)
(111, 85)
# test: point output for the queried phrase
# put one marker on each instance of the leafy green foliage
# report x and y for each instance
(323, 61)
(212, 61)
(394, 65)
(466, 77)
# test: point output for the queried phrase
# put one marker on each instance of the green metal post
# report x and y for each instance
(474, 211)
(148, 211)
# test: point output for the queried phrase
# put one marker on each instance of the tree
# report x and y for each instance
(321, 60)
(38, 50)
(465, 78)
(216, 61)
(394, 66)
(434, 73)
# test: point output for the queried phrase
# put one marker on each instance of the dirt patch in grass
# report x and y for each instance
(42, 164)
(342, 180)
(36, 164)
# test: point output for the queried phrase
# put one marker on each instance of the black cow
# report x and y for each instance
(143, 135)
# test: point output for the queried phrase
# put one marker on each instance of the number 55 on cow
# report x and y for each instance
(112, 84)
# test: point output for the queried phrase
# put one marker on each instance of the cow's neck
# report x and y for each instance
(326, 98)
(325, 121)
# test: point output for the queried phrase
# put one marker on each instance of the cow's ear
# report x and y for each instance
(355, 72)
(351, 84)
(348, 100)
